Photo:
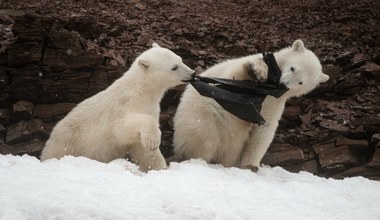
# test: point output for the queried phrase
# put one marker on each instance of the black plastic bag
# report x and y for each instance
(242, 98)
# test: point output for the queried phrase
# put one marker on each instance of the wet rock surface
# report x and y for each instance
(54, 54)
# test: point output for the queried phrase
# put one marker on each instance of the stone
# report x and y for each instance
(45, 112)
(375, 160)
(32, 147)
(353, 171)
(371, 68)
(64, 87)
(356, 145)
(22, 110)
(311, 166)
(26, 130)
(4, 115)
(3, 131)
(339, 158)
(236, 50)
(60, 110)
(283, 155)
(291, 116)
(319, 149)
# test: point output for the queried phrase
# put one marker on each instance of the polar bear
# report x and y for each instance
(123, 120)
(202, 129)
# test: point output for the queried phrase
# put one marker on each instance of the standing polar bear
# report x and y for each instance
(122, 120)
(204, 130)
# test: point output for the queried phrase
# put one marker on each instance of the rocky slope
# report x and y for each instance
(54, 54)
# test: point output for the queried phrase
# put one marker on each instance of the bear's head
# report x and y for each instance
(163, 67)
(301, 69)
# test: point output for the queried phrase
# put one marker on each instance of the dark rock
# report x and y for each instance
(311, 166)
(4, 79)
(3, 131)
(60, 110)
(323, 148)
(236, 50)
(353, 171)
(32, 147)
(4, 116)
(375, 160)
(62, 59)
(22, 110)
(372, 68)
(353, 144)
(26, 130)
(45, 112)
(69, 41)
(283, 155)
(24, 53)
(339, 158)
(291, 116)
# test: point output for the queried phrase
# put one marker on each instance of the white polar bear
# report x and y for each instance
(123, 120)
(202, 129)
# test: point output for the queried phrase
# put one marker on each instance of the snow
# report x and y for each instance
(80, 188)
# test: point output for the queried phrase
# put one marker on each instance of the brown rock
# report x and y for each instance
(140, 6)
(4, 79)
(372, 68)
(3, 131)
(62, 59)
(60, 110)
(283, 155)
(291, 116)
(33, 147)
(69, 41)
(375, 160)
(22, 110)
(68, 87)
(337, 159)
(236, 50)
(24, 53)
(26, 130)
(353, 171)
(334, 72)
(45, 112)
(4, 115)
(320, 149)
(353, 144)
(311, 166)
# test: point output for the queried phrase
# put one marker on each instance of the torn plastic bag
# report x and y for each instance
(242, 98)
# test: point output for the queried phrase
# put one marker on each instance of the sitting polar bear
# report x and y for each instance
(123, 120)
(202, 129)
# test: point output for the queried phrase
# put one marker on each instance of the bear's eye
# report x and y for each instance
(292, 69)
(175, 68)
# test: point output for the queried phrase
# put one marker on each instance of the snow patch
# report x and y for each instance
(80, 188)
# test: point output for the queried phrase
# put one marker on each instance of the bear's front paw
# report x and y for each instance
(257, 70)
(151, 138)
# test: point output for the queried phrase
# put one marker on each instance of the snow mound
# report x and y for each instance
(80, 188)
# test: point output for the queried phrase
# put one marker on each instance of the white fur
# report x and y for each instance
(122, 120)
(204, 130)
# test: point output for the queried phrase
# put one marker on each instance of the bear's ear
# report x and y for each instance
(144, 64)
(155, 45)
(298, 46)
(323, 78)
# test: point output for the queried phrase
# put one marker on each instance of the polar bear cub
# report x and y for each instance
(202, 129)
(123, 120)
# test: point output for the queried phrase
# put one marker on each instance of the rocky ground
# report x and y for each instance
(54, 54)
